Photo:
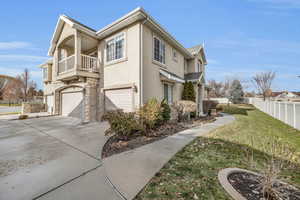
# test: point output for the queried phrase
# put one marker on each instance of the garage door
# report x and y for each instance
(72, 104)
(50, 104)
(119, 99)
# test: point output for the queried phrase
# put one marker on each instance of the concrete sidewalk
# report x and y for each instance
(130, 171)
(30, 115)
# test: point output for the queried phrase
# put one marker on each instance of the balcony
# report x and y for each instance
(73, 57)
(88, 67)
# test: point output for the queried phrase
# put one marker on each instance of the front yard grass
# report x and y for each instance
(192, 173)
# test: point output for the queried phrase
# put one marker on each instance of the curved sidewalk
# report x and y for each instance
(130, 171)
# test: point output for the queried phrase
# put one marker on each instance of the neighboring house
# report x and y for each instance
(121, 66)
(285, 96)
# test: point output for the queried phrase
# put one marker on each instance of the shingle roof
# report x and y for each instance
(77, 22)
(195, 49)
(192, 76)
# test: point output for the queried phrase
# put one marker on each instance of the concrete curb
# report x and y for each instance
(130, 171)
(223, 179)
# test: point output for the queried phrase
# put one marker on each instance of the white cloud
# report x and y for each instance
(13, 71)
(14, 45)
(25, 58)
(212, 61)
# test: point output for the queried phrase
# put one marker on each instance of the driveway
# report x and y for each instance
(52, 158)
(8, 109)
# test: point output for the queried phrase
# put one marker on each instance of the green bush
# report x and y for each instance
(165, 110)
(188, 92)
(122, 124)
(150, 114)
(21, 117)
(234, 110)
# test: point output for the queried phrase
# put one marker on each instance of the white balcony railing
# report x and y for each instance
(88, 63)
(66, 64)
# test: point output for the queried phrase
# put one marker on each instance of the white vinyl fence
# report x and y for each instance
(287, 112)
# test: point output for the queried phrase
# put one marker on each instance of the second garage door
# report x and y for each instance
(119, 99)
(72, 104)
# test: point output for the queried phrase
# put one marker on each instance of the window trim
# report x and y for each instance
(45, 73)
(175, 58)
(170, 91)
(153, 46)
(124, 58)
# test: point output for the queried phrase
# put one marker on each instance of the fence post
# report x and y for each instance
(279, 110)
(274, 107)
(294, 105)
(285, 109)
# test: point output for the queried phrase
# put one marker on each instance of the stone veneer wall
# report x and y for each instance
(90, 103)
(33, 107)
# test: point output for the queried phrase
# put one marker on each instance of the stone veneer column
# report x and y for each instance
(57, 103)
(90, 103)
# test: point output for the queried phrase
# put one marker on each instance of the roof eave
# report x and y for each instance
(58, 28)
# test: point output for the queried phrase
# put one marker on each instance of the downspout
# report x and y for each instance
(142, 62)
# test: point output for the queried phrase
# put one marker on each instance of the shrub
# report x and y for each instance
(165, 110)
(122, 124)
(209, 104)
(234, 110)
(188, 92)
(150, 114)
(21, 117)
(184, 108)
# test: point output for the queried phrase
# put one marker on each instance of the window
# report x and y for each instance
(175, 54)
(198, 67)
(159, 50)
(168, 93)
(45, 73)
(115, 48)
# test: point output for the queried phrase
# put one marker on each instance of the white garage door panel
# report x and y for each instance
(118, 99)
(50, 104)
(72, 104)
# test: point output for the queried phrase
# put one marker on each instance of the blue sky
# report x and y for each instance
(242, 37)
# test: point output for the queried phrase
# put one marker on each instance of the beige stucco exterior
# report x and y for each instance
(152, 84)
(136, 70)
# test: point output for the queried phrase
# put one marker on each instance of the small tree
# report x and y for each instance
(188, 92)
(26, 83)
(236, 92)
(263, 82)
(12, 91)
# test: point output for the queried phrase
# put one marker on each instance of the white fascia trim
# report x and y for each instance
(146, 16)
(169, 36)
(171, 77)
(118, 20)
(63, 19)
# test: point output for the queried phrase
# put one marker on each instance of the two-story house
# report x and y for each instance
(120, 66)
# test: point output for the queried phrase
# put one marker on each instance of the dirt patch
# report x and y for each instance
(115, 145)
(249, 186)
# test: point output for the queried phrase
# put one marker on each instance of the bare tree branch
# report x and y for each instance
(263, 82)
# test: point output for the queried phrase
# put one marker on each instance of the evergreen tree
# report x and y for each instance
(236, 92)
(188, 92)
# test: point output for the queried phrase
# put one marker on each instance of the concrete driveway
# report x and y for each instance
(52, 158)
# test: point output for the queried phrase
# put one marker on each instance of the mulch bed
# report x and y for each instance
(115, 145)
(249, 186)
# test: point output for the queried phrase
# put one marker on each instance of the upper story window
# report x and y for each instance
(159, 50)
(198, 66)
(115, 48)
(175, 55)
(45, 73)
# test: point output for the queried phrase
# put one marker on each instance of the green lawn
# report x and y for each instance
(10, 104)
(10, 113)
(192, 173)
